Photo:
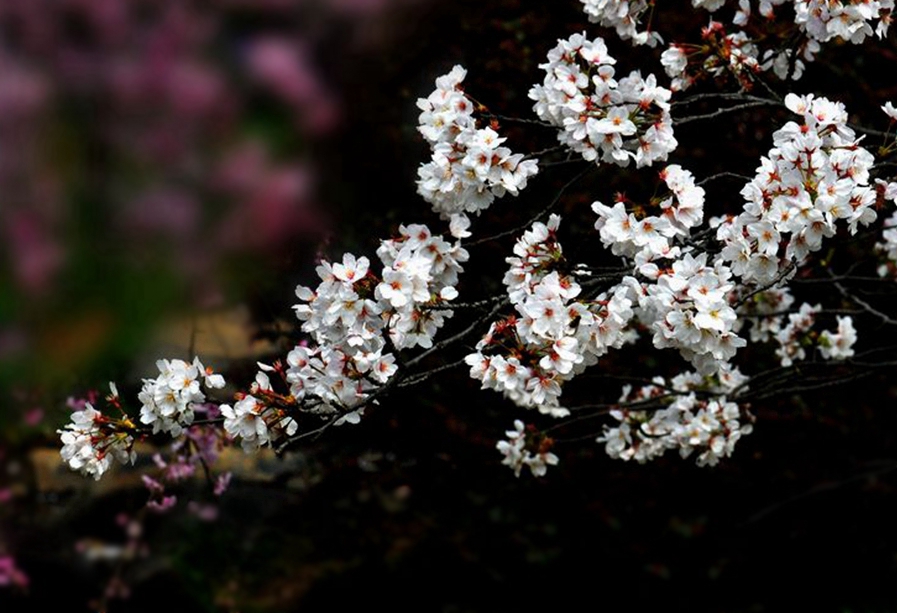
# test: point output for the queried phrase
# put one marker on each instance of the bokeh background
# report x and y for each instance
(170, 170)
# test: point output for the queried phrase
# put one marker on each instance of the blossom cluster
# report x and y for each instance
(599, 117)
(796, 336)
(719, 55)
(793, 336)
(624, 16)
(816, 174)
(356, 319)
(169, 401)
(764, 312)
(469, 167)
(517, 453)
(686, 421)
(256, 421)
(688, 309)
(558, 331)
(819, 21)
(838, 345)
(691, 291)
(888, 244)
(92, 440)
(652, 236)
(168, 404)
(848, 20)
(685, 297)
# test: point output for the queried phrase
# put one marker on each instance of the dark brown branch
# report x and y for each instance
(720, 112)
(741, 96)
(868, 307)
(886, 467)
(723, 175)
(790, 268)
(539, 215)
(520, 120)
(459, 336)
(423, 376)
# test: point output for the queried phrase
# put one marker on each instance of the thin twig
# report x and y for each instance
(317, 432)
(837, 278)
(541, 152)
(459, 336)
(478, 304)
(778, 279)
(888, 466)
(868, 131)
(535, 218)
(720, 96)
(719, 112)
(723, 175)
(884, 317)
(808, 387)
(420, 377)
(521, 120)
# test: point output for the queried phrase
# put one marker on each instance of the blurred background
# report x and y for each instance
(171, 169)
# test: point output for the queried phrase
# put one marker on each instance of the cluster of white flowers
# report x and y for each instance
(557, 333)
(848, 20)
(624, 16)
(822, 20)
(888, 245)
(603, 119)
(795, 337)
(686, 304)
(719, 55)
(816, 174)
(735, 53)
(689, 293)
(253, 420)
(688, 309)
(764, 311)
(469, 167)
(790, 63)
(92, 440)
(819, 20)
(516, 455)
(355, 317)
(651, 237)
(168, 401)
(838, 345)
(675, 64)
(688, 422)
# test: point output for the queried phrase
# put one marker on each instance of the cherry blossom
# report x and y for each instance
(713, 285)
(599, 117)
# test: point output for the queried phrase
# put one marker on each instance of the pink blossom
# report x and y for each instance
(10, 575)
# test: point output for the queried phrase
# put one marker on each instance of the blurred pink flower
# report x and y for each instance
(23, 90)
(10, 575)
(165, 504)
(163, 210)
(35, 255)
(284, 67)
(203, 512)
(33, 416)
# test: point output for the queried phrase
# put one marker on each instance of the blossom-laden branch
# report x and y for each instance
(710, 288)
